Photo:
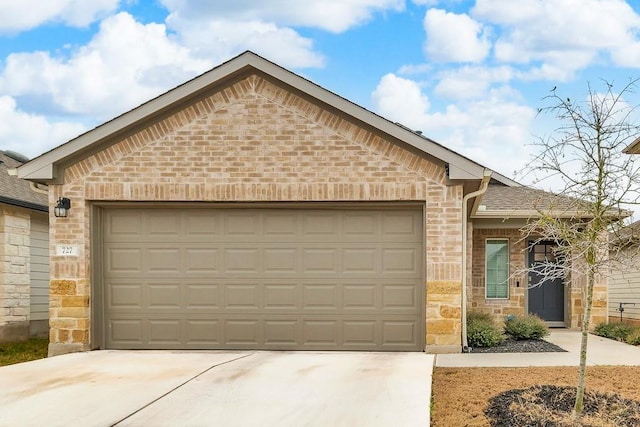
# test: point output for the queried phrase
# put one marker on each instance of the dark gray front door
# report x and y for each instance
(546, 297)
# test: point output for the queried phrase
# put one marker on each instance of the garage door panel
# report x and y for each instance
(281, 226)
(241, 297)
(400, 298)
(400, 261)
(163, 260)
(201, 226)
(281, 333)
(358, 226)
(202, 261)
(165, 332)
(399, 333)
(360, 297)
(242, 332)
(125, 332)
(124, 295)
(320, 226)
(401, 226)
(263, 279)
(320, 297)
(241, 260)
(205, 333)
(123, 260)
(319, 260)
(164, 296)
(281, 260)
(321, 333)
(241, 226)
(281, 298)
(359, 333)
(123, 226)
(202, 296)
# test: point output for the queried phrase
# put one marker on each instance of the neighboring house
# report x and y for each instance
(624, 282)
(252, 209)
(24, 255)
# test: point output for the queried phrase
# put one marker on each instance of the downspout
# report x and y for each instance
(484, 184)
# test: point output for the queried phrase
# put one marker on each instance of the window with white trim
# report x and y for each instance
(497, 268)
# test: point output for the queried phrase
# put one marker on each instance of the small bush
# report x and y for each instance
(481, 331)
(529, 327)
(614, 331)
(634, 337)
(479, 316)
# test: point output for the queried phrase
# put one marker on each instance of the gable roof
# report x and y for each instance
(17, 192)
(47, 167)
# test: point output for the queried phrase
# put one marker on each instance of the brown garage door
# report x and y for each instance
(263, 279)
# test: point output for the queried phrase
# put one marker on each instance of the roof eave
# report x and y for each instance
(633, 148)
(45, 168)
(531, 214)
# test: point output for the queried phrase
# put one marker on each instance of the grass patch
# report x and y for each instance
(18, 352)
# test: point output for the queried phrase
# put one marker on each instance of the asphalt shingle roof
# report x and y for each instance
(509, 199)
(13, 188)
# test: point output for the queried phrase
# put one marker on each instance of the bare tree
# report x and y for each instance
(597, 181)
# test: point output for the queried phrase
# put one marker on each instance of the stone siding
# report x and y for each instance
(15, 289)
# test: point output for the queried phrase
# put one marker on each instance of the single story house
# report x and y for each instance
(249, 208)
(24, 255)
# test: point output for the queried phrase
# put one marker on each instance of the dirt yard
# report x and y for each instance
(460, 395)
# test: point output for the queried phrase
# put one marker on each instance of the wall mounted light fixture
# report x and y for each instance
(64, 204)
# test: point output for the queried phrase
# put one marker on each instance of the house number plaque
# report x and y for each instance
(67, 250)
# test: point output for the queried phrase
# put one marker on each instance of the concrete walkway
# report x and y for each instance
(600, 351)
(163, 388)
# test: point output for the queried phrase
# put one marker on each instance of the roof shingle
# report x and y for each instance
(15, 189)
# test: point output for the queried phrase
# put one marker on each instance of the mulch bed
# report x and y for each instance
(523, 346)
(549, 405)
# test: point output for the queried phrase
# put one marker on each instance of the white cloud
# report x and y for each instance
(455, 38)
(471, 81)
(563, 36)
(331, 15)
(495, 131)
(19, 15)
(224, 39)
(126, 63)
(401, 100)
(31, 134)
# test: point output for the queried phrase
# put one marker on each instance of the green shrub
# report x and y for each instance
(479, 316)
(529, 327)
(604, 329)
(481, 331)
(634, 337)
(614, 331)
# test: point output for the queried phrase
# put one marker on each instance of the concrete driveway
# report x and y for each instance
(158, 388)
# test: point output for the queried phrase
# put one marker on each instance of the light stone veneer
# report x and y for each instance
(15, 275)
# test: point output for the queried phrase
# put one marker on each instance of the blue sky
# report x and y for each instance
(469, 74)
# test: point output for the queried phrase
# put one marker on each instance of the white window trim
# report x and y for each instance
(508, 268)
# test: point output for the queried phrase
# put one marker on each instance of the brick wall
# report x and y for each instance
(516, 303)
(254, 141)
(499, 308)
